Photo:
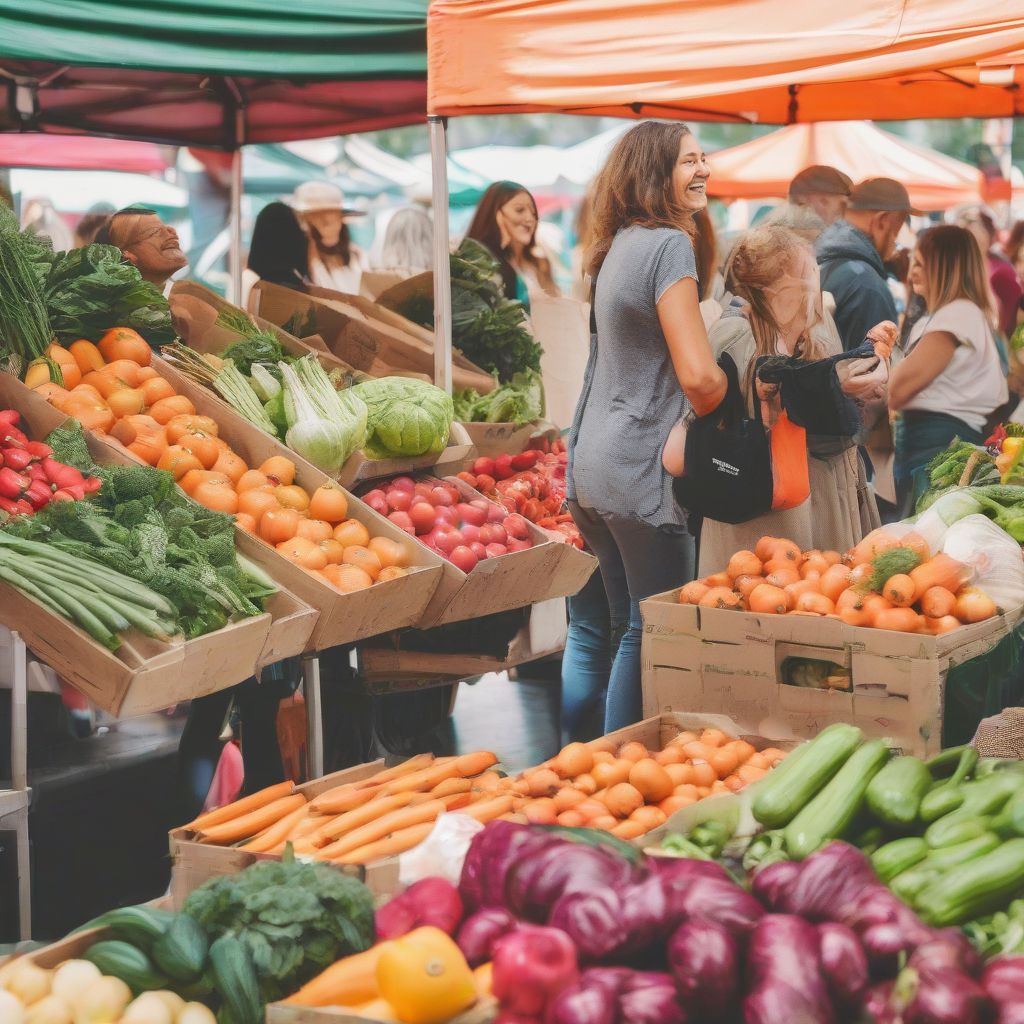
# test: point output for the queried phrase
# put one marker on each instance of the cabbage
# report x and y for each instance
(405, 417)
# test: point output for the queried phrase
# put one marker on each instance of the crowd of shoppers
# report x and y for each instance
(912, 338)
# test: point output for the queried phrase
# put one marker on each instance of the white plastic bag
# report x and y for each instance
(993, 555)
(441, 854)
(948, 510)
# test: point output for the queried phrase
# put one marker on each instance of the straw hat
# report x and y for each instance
(311, 196)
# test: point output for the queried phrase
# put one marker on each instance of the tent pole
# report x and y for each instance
(442, 269)
(235, 227)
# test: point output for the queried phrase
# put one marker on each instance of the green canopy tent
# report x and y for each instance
(212, 73)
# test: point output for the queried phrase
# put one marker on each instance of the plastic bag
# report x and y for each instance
(441, 854)
(948, 510)
(993, 555)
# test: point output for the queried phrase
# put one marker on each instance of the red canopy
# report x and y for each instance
(765, 166)
(78, 153)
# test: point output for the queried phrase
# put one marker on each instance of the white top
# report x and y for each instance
(338, 278)
(972, 386)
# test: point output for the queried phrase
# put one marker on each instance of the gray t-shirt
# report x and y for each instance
(631, 398)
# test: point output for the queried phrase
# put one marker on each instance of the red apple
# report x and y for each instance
(496, 550)
(515, 526)
(399, 500)
(403, 483)
(445, 514)
(463, 558)
(481, 503)
(439, 496)
(471, 514)
(515, 544)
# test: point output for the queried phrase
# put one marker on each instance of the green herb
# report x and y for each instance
(294, 919)
(892, 562)
(92, 289)
(70, 446)
(25, 329)
(258, 346)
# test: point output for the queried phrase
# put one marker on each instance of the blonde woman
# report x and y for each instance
(773, 272)
(951, 380)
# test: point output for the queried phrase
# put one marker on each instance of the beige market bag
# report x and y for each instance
(562, 327)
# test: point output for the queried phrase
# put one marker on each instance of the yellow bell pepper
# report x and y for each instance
(425, 977)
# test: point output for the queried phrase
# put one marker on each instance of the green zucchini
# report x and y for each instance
(941, 800)
(910, 884)
(181, 951)
(898, 856)
(235, 979)
(954, 829)
(953, 856)
(955, 761)
(122, 960)
(895, 793)
(141, 926)
(987, 796)
(980, 886)
(785, 791)
(831, 812)
(1010, 820)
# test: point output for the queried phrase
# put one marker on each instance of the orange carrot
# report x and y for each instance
(488, 810)
(342, 799)
(451, 786)
(343, 823)
(414, 764)
(277, 832)
(253, 822)
(389, 846)
(393, 822)
(466, 766)
(240, 807)
(347, 983)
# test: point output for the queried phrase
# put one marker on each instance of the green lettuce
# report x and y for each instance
(405, 417)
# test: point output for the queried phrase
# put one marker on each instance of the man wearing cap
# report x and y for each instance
(822, 189)
(852, 254)
(151, 246)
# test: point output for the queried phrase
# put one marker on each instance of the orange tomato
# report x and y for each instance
(817, 604)
(390, 552)
(53, 393)
(126, 402)
(146, 373)
(651, 780)
(649, 817)
(714, 738)
(178, 461)
(743, 563)
(680, 774)
(702, 773)
(622, 800)
(591, 808)
(571, 819)
(71, 372)
(541, 811)
(567, 798)
(87, 355)
(304, 552)
(586, 784)
(605, 822)
(782, 576)
(629, 830)
(92, 413)
(250, 479)
(724, 762)
(279, 524)
(202, 446)
(364, 558)
(693, 592)
(333, 550)
(189, 423)
(280, 468)
(697, 750)
(218, 495)
(315, 530)
(328, 502)
(244, 521)
(352, 532)
(156, 388)
(125, 369)
(744, 750)
(292, 496)
(670, 755)
(607, 775)
(103, 382)
(633, 751)
(256, 501)
(230, 464)
(124, 343)
(675, 803)
(167, 408)
(748, 773)
(347, 578)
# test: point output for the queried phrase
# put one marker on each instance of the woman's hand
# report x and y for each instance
(884, 337)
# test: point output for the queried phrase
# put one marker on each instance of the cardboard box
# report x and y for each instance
(343, 618)
(353, 333)
(491, 439)
(358, 468)
(193, 863)
(713, 660)
(145, 674)
(548, 569)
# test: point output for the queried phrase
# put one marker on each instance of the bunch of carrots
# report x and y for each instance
(623, 789)
(127, 399)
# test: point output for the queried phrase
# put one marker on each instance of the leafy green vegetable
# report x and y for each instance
(25, 330)
(70, 446)
(294, 919)
(520, 401)
(405, 417)
(487, 328)
(92, 289)
(892, 562)
(259, 346)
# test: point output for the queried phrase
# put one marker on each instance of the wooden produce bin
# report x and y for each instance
(491, 439)
(343, 618)
(357, 469)
(712, 660)
(484, 1012)
(145, 674)
(548, 569)
(192, 863)
(369, 338)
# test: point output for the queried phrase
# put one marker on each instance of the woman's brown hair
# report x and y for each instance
(1015, 243)
(759, 260)
(954, 268)
(485, 228)
(705, 247)
(635, 187)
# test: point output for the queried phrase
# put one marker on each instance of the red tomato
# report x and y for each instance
(403, 483)
(399, 500)
(463, 558)
(440, 496)
(423, 516)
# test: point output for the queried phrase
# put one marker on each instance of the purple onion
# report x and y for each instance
(725, 902)
(843, 963)
(481, 930)
(650, 997)
(947, 949)
(1003, 979)
(705, 962)
(775, 1002)
(946, 997)
(773, 885)
(831, 879)
(784, 973)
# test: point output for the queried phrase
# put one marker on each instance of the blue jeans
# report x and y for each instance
(587, 662)
(637, 560)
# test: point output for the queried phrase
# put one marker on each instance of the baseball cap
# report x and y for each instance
(882, 194)
(820, 178)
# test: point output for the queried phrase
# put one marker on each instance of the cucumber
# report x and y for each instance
(831, 812)
(910, 884)
(980, 886)
(1009, 823)
(955, 829)
(898, 856)
(121, 960)
(956, 761)
(942, 800)
(181, 951)
(895, 793)
(783, 793)
(235, 979)
(952, 856)
(140, 926)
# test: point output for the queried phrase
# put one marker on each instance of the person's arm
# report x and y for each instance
(698, 374)
(928, 358)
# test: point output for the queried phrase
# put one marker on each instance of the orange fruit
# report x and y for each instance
(352, 532)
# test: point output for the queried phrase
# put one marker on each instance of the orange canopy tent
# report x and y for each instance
(765, 166)
(749, 60)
